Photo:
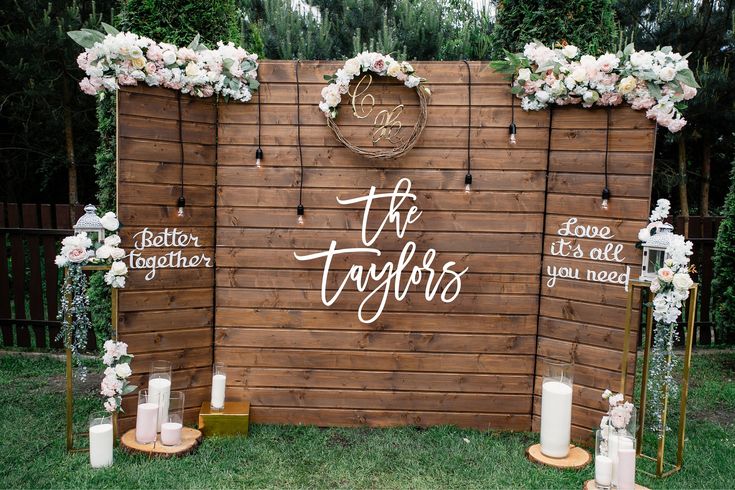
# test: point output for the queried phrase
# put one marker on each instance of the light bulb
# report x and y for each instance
(468, 183)
(180, 203)
(467, 188)
(300, 220)
(258, 157)
(604, 204)
(180, 212)
(512, 129)
(300, 214)
(512, 139)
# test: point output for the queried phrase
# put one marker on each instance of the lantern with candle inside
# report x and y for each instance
(90, 224)
(654, 249)
(159, 387)
(556, 408)
(100, 439)
(174, 421)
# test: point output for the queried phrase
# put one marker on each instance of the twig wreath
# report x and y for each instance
(386, 125)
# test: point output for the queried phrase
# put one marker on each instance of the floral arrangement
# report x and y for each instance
(671, 289)
(119, 59)
(365, 62)
(77, 251)
(618, 418)
(656, 81)
(115, 383)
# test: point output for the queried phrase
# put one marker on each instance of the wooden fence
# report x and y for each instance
(29, 278)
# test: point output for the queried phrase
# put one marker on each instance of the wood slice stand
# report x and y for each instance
(590, 485)
(577, 458)
(190, 439)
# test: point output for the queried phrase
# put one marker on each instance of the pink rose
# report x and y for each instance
(77, 255)
(83, 60)
(378, 65)
(666, 274)
(677, 124)
(87, 87)
(150, 68)
(155, 53)
(689, 92)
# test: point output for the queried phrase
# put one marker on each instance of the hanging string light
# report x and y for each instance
(512, 128)
(604, 204)
(259, 151)
(300, 207)
(180, 202)
(468, 177)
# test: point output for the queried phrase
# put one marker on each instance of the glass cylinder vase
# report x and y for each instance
(626, 462)
(603, 461)
(174, 423)
(147, 416)
(159, 386)
(101, 439)
(219, 381)
(556, 408)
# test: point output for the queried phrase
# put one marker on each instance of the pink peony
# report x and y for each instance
(155, 53)
(125, 79)
(676, 125)
(645, 102)
(77, 255)
(150, 68)
(611, 98)
(83, 60)
(689, 92)
(87, 87)
(378, 65)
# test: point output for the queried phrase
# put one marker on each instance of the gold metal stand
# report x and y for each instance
(70, 375)
(688, 345)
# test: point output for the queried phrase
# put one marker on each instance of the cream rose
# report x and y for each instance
(627, 84)
(667, 73)
(682, 281)
(123, 370)
(666, 274)
(192, 69)
(119, 268)
(352, 67)
(138, 63)
(579, 74)
(394, 69)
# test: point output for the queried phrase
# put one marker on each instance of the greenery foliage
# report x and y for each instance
(724, 261)
(588, 24)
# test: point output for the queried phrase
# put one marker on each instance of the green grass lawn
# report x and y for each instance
(32, 447)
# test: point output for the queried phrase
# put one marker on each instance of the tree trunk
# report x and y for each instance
(69, 134)
(683, 195)
(706, 173)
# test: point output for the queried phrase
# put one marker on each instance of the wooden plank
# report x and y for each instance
(7, 328)
(383, 361)
(165, 299)
(17, 260)
(169, 340)
(34, 291)
(164, 320)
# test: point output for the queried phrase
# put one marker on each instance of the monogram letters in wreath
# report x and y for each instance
(386, 124)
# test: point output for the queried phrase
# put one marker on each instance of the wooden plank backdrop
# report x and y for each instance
(472, 362)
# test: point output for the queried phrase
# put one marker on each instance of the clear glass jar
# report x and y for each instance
(174, 422)
(556, 408)
(101, 439)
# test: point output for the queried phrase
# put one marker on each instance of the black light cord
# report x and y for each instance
(181, 202)
(468, 177)
(300, 207)
(259, 151)
(606, 190)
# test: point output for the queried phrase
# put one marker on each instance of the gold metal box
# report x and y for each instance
(233, 419)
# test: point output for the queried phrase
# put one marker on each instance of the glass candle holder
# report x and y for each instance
(172, 426)
(556, 408)
(219, 381)
(159, 385)
(603, 461)
(625, 462)
(147, 416)
(101, 439)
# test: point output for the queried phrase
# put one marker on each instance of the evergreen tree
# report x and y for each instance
(723, 286)
(588, 24)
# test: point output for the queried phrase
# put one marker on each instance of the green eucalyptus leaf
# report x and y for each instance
(194, 44)
(83, 38)
(127, 389)
(110, 29)
(654, 89)
(254, 84)
(686, 76)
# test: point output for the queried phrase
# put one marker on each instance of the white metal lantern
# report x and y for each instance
(654, 251)
(91, 224)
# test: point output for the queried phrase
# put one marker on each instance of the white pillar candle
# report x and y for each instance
(218, 390)
(603, 470)
(615, 443)
(171, 433)
(556, 418)
(626, 467)
(145, 423)
(100, 445)
(160, 387)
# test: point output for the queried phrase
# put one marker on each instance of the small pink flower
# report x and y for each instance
(640, 103)
(87, 87)
(207, 91)
(402, 77)
(378, 65)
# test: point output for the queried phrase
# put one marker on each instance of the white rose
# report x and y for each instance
(579, 74)
(352, 67)
(590, 97)
(655, 286)
(394, 69)
(542, 96)
(524, 74)
(333, 98)
(112, 240)
(169, 57)
(324, 107)
(123, 370)
(627, 84)
(682, 281)
(667, 73)
(570, 51)
(119, 268)
(103, 252)
(192, 69)
(644, 234)
(116, 253)
(412, 81)
(61, 261)
(110, 222)
(641, 59)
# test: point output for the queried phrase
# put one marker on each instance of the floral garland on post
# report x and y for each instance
(76, 252)
(119, 59)
(671, 289)
(115, 383)
(658, 81)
